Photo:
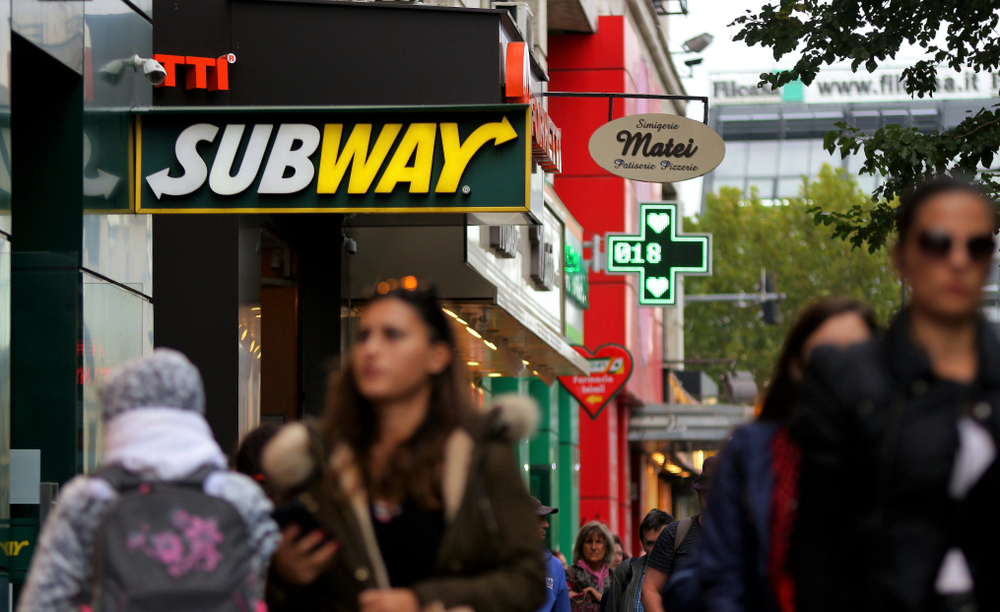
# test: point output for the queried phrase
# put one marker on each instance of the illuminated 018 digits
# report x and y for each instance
(632, 253)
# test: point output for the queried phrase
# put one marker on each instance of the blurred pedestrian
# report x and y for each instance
(163, 522)
(556, 592)
(591, 568)
(902, 432)
(562, 558)
(625, 590)
(742, 564)
(248, 455)
(675, 543)
(421, 495)
(620, 554)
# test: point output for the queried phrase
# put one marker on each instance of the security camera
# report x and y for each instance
(350, 245)
(154, 70)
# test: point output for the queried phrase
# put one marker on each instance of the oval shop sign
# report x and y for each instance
(657, 148)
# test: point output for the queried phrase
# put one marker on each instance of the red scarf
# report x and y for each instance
(784, 502)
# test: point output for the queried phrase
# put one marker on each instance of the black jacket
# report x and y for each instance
(621, 594)
(879, 436)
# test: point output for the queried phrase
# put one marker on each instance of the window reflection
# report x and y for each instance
(113, 334)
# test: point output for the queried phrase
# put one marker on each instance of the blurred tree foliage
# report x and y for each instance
(749, 235)
(960, 34)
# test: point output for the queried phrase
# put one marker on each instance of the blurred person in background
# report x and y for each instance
(556, 592)
(420, 494)
(743, 554)
(620, 554)
(157, 445)
(902, 432)
(675, 543)
(248, 455)
(591, 569)
(562, 558)
(623, 595)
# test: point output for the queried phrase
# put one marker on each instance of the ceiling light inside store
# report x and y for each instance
(535, 372)
(461, 320)
(258, 354)
(244, 336)
(382, 287)
(489, 344)
(409, 283)
(525, 362)
(494, 374)
(674, 469)
(252, 344)
(258, 316)
(472, 363)
(255, 308)
(658, 458)
(473, 332)
(449, 313)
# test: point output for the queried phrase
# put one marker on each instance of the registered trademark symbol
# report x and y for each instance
(231, 58)
(466, 189)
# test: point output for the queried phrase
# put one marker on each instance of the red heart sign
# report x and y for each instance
(610, 369)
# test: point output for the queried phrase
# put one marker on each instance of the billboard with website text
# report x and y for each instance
(842, 85)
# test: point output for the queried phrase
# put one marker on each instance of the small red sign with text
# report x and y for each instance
(610, 369)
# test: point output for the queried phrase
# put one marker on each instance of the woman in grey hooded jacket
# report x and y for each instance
(154, 427)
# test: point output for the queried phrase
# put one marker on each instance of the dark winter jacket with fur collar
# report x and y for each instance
(490, 558)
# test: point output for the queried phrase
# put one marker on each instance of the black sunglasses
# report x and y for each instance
(938, 245)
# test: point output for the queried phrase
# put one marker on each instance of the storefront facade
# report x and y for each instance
(193, 196)
(620, 481)
(75, 264)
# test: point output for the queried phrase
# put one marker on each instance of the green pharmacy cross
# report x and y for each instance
(659, 254)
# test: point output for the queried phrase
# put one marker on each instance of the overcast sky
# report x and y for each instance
(723, 55)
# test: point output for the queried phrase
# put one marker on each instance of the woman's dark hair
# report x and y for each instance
(779, 398)
(414, 470)
(247, 459)
(912, 201)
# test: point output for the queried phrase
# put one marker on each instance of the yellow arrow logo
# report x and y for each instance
(457, 154)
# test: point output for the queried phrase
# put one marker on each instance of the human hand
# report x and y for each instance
(301, 560)
(388, 600)
(593, 593)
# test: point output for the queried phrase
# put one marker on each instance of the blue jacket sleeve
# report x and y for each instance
(721, 547)
(562, 597)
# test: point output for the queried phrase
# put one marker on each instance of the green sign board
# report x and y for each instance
(388, 160)
(576, 281)
(659, 254)
(18, 538)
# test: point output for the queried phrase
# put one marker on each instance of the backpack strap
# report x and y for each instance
(683, 528)
(119, 478)
(124, 480)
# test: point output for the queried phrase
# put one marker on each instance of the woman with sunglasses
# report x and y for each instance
(899, 436)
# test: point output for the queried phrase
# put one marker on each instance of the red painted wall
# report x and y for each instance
(608, 61)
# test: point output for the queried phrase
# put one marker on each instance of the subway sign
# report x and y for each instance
(381, 160)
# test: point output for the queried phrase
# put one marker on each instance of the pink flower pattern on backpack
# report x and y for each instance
(191, 546)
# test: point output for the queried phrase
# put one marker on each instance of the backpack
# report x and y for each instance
(166, 546)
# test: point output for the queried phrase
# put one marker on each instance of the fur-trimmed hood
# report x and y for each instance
(289, 459)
